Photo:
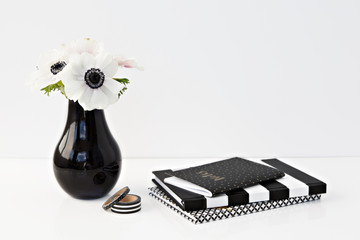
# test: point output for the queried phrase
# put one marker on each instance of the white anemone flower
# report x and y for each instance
(127, 62)
(83, 45)
(49, 69)
(88, 80)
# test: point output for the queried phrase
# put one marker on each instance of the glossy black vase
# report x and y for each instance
(87, 159)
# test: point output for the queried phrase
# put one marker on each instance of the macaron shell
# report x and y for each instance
(126, 211)
(125, 207)
(128, 200)
(118, 196)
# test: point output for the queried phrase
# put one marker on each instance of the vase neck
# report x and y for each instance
(86, 125)
(76, 112)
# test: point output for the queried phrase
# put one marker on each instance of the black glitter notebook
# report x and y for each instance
(222, 176)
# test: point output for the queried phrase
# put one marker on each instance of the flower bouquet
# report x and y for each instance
(82, 71)
(87, 159)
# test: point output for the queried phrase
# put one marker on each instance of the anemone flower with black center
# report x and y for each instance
(88, 80)
(49, 69)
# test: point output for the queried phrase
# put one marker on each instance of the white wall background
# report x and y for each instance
(222, 78)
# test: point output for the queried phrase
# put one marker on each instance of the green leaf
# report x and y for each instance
(53, 87)
(122, 91)
(62, 87)
(123, 81)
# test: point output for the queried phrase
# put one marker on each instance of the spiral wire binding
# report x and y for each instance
(214, 214)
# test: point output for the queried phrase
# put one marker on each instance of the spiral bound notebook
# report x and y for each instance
(214, 214)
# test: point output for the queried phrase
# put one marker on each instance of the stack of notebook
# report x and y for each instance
(233, 187)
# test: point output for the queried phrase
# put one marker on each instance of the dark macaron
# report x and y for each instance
(118, 196)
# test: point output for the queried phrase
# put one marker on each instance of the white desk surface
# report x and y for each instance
(33, 206)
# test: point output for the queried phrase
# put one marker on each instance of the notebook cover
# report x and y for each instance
(215, 214)
(295, 183)
(315, 185)
(226, 175)
(189, 201)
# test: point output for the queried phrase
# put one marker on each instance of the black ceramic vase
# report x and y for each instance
(87, 159)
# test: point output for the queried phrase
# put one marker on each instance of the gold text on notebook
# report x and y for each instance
(205, 174)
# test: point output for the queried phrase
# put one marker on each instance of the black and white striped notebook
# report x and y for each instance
(295, 183)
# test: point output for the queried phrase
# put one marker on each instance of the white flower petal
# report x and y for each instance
(88, 61)
(106, 64)
(75, 90)
(42, 80)
(85, 45)
(74, 85)
(99, 100)
(111, 69)
(102, 60)
(113, 85)
(51, 57)
(76, 67)
(127, 62)
(85, 99)
(112, 97)
(32, 81)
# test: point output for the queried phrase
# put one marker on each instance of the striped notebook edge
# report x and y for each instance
(315, 185)
(214, 214)
(295, 183)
